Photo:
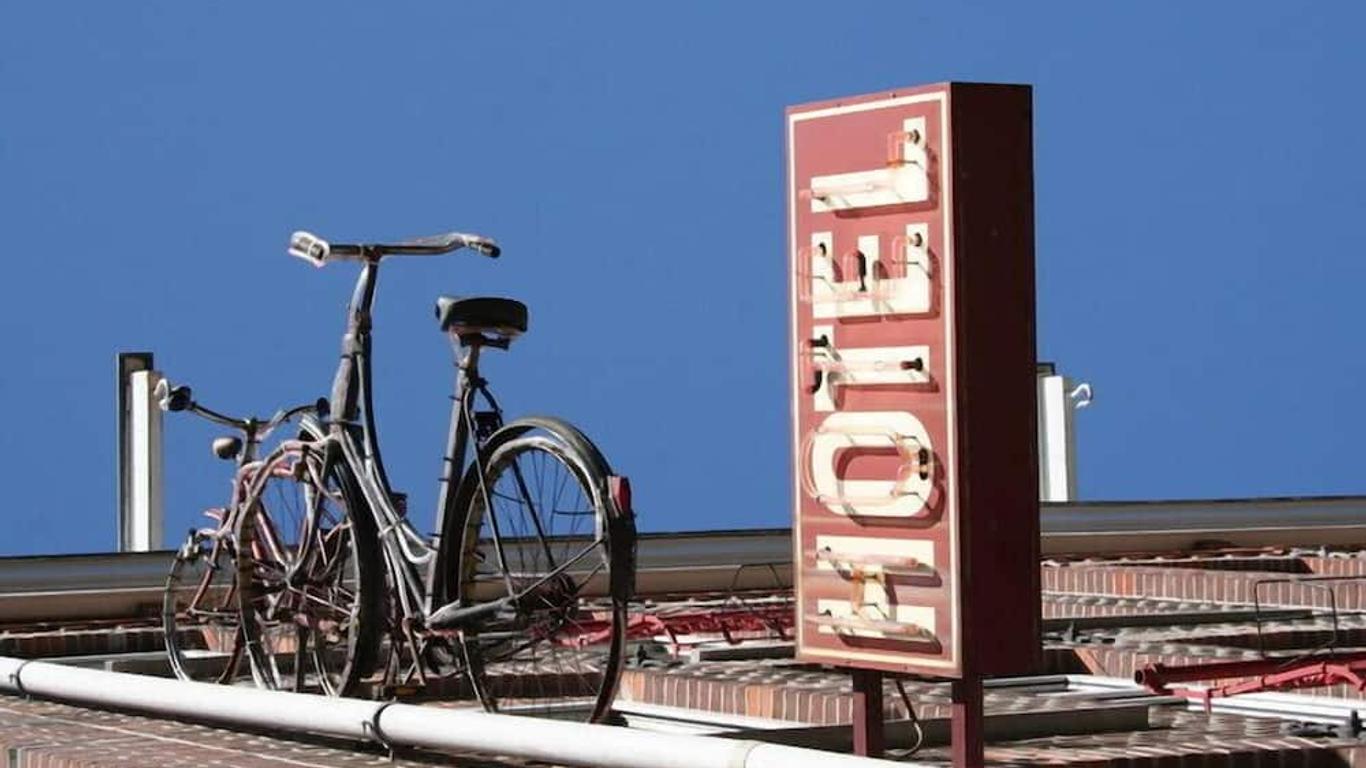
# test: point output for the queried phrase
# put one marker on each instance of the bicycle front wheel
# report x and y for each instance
(541, 535)
(308, 593)
(199, 611)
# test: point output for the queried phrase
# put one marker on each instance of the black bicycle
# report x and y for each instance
(522, 591)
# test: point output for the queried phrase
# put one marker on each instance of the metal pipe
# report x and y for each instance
(1059, 397)
(553, 741)
(1285, 706)
(146, 526)
(1157, 676)
(139, 454)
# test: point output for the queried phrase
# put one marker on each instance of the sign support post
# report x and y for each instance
(868, 708)
(967, 726)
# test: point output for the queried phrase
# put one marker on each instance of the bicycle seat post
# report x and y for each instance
(468, 360)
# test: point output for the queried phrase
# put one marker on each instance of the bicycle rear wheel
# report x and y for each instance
(199, 612)
(552, 545)
(309, 592)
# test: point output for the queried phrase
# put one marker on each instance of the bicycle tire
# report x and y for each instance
(199, 611)
(559, 651)
(318, 632)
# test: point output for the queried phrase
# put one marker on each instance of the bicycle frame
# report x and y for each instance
(412, 558)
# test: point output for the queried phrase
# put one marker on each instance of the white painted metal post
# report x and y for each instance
(140, 522)
(145, 514)
(1059, 398)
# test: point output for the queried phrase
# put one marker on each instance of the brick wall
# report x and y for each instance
(38, 642)
(1207, 585)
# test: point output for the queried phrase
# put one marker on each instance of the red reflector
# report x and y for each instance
(619, 488)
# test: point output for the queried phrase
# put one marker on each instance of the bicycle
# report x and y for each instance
(199, 602)
(524, 586)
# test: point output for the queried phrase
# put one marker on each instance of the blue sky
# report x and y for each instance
(1199, 202)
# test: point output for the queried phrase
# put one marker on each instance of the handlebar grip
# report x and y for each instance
(172, 398)
(483, 245)
(309, 247)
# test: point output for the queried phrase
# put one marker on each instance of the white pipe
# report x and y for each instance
(1058, 398)
(165, 696)
(145, 521)
(554, 741)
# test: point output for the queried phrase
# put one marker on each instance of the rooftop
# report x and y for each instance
(711, 655)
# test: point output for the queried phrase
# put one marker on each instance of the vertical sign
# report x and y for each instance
(911, 267)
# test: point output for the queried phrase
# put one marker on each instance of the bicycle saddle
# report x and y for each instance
(462, 316)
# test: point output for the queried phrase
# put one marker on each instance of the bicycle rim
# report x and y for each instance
(309, 631)
(556, 652)
(199, 613)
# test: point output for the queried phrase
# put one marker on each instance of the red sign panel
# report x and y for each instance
(913, 380)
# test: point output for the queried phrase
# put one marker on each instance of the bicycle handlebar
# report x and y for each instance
(450, 241)
(317, 251)
(181, 399)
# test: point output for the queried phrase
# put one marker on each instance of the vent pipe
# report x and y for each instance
(1059, 399)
